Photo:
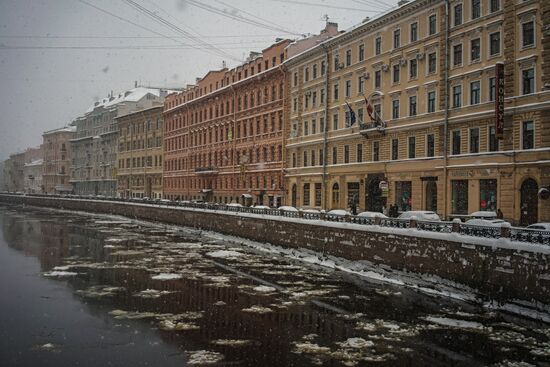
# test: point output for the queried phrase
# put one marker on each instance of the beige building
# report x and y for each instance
(32, 177)
(57, 160)
(140, 154)
(424, 153)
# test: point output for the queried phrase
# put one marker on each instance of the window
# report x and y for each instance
(306, 74)
(360, 85)
(361, 52)
(459, 196)
(493, 141)
(431, 101)
(458, 15)
(397, 38)
(457, 96)
(403, 195)
(346, 153)
(323, 67)
(295, 79)
(528, 34)
(314, 71)
(336, 62)
(318, 195)
(306, 128)
(432, 24)
(457, 55)
(306, 194)
(322, 96)
(335, 91)
(413, 68)
(295, 104)
(359, 155)
(396, 73)
(475, 50)
(305, 159)
(321, 157)
(474, 140)
(430, 145)
(412, 147)
(432, 63)
(375, 151)
(488, 195)
(492, 88)
(313, 127)
(321, 124)
(412, 106)
(377, 79)
(334, 155)
(348, 57)
(527, 135)
(378, 46)
(335, 195)
(494, 5)
(528, 81)
(474, 92)
(348, 88)
(456, 142)
(476, 9)
(414, 32)
(335, 121)
(395, 109)
(360, 115)
(494, 43)
(395, 149)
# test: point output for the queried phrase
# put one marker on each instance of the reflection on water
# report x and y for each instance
(214, 302)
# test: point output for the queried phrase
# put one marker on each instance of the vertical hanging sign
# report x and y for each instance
(499, 100)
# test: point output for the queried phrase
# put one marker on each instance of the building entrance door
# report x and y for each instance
(529, 202)
(374, 202)
(294, 195)
(431, 196)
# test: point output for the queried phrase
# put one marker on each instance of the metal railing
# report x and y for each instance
(494, 232)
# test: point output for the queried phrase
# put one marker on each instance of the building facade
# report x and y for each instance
(57, 160)
(32, 177)
(422, 87)
(224, 137)
(140, 152)
(95, 144)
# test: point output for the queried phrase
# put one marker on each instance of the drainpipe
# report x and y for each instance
(325, 132)
(283, 70)
(446, 121)
(233, 130)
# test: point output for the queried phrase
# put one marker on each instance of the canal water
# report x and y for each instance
(83, 290)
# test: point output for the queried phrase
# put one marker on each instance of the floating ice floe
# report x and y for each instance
(232, 342)
(356, 343)
(310, 348)
(179, 326)
(202, 357)
(224, 254)
(166, 276)
(151, 293)
(98, 291)
(257, 309)
(444, 321)
(264, 289)
(59, 274)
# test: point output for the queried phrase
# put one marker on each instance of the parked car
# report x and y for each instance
(484, 215)
(235, 205)
(338, 212)
(371, 215)
(540, 226)
(260, 207)
(288, 208)
(311, 211)
(420, 215)
(486, 222)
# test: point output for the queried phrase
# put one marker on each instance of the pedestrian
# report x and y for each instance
(499, 214)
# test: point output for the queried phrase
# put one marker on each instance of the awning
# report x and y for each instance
(247, 196)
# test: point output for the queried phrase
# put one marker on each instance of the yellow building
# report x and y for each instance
(408, 63)
(140, 154)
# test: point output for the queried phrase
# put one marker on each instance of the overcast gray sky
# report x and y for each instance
(58, 56)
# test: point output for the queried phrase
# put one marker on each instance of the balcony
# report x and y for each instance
(208, 170)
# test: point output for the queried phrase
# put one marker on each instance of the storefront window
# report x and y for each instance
(459, 198)
(403, 195)
(488, 195)
(353, 194)
(318, 194)
(306, 194)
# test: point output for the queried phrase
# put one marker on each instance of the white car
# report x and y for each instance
(371, 215)
(421, 215)
(261, 207)
(288, 208)
(540, 226)
(339, 212)
(482, 214)
(486, 222)
(311, 211)
(235, 205)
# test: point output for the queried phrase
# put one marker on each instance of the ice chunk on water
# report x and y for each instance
(60, 273)
(166, 276)
(202, 357)
(224, 254)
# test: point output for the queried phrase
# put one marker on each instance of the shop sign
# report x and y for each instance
(384, 188)
(499, 100)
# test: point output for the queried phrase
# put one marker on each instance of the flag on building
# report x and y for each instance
(351, 120)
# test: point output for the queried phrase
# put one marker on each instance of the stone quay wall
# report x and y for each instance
(497, 268)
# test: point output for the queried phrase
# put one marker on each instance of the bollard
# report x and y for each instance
(505, 230)
(456, 225)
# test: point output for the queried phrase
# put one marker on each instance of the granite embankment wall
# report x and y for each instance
(497, 268)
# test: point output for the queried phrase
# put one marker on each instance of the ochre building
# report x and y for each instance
(140, 139)
(432, 142)
(57, 160)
